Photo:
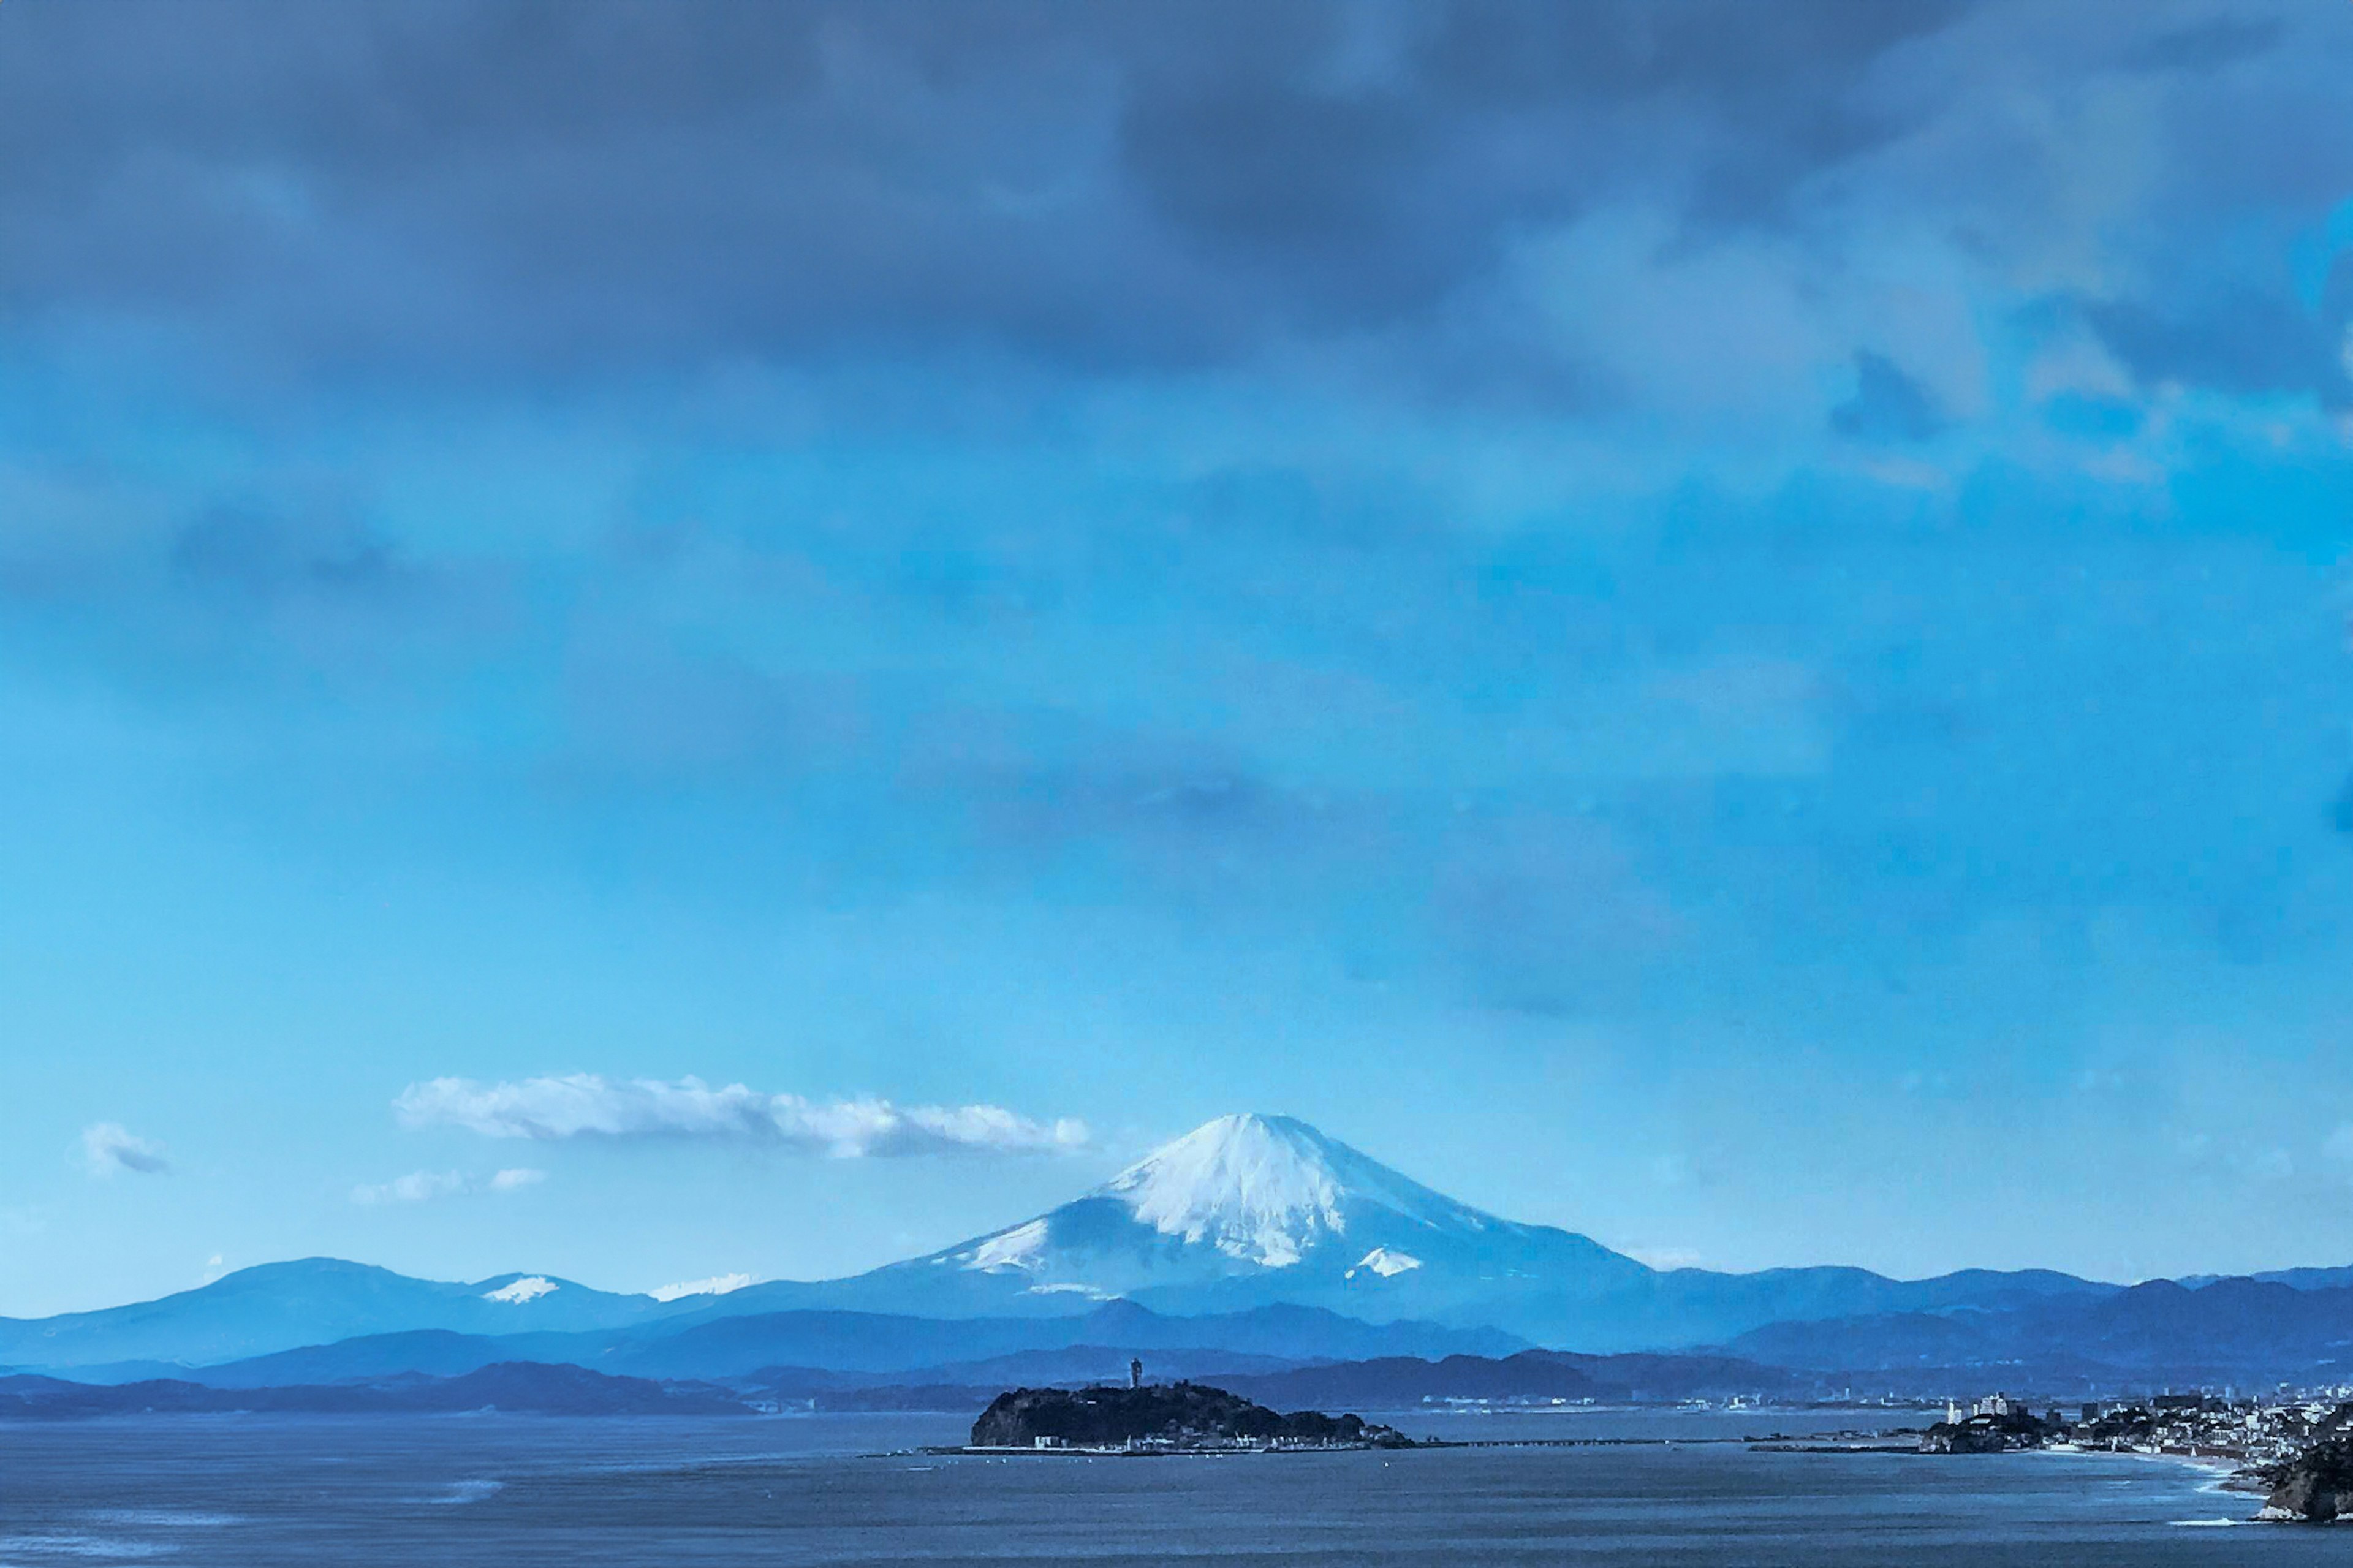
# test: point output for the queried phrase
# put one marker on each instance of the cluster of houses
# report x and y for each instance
(2248, 1431)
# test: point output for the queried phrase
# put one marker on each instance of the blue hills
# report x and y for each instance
(514, 1386)
(723, 1345)
(2241, 1330)
(314, 1300)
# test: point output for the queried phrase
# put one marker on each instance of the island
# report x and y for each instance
(1162, 1418)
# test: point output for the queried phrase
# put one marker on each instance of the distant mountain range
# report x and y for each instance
(519, 1388)
(861, 1342)
(1253, 1247)
(1529, 1377)
(1251, 1210)
(316, 1300)
(2247, 1331)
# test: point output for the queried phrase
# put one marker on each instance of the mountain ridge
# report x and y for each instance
(859, 1342)
(1247, 1209)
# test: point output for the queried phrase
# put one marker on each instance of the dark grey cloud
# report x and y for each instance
(2248, 341)
(2211, 44)
(424, 186)
(1887, 404)
(426, 183)
(264, 554)
(286, 584)
(1543, 912)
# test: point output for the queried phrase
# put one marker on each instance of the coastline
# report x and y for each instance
(2221, 1468)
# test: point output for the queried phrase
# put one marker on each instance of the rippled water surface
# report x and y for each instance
(484, 1490)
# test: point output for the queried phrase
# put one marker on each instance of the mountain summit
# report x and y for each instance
(1246, 1210)
(1254, 1210)
(1271, 1189)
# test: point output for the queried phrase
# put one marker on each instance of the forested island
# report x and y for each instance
(1164, 1418)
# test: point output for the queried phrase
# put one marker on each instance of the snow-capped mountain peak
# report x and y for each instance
(1260, 1188)
(1246, 1210)
(1267, 1189)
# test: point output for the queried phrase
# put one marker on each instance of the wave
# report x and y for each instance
(72, 1544)
(462, 1492)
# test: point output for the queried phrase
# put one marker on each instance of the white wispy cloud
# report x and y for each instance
(423, 1186)
(717, 1285)
(109, 1146)
(586, 1105)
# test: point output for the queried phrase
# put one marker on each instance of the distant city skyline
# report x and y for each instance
(656, 644)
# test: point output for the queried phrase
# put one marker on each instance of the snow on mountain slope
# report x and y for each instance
(1268, 1189)
(529, 1288)
(1384, 1262)
(1245, 1210)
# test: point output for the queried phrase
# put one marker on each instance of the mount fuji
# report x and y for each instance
(1249, 1211)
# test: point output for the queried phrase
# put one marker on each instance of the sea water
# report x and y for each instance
(509, 1492)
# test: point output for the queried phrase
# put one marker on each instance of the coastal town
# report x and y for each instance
(2246, 1430)
(2294, 1447)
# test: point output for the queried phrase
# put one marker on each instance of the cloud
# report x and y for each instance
(717, 1285)
(619, 181)
(109, 1146)
(586, 1105)
(423, 1186)
(2248, 342)
(517, 187)
(1887, 405)
(2207, 45)
(2269, 1164)
(417, 1187)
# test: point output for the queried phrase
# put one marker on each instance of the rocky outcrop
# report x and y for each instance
(2314, 1488)
(1180, 1415)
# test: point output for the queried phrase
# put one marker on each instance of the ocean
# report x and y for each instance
(511, 1491)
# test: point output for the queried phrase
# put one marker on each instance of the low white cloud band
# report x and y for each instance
(423, 1186)
(586, 1105)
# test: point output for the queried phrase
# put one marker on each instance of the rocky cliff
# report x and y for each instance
(2316, 1487)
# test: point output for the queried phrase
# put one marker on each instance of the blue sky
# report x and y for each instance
(1721, 624)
